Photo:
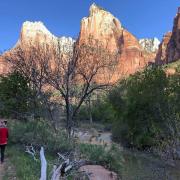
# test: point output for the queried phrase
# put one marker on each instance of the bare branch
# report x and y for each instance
(43, 165)
(30, 150)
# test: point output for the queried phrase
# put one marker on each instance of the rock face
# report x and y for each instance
(169, 49)
(150, 45)
(161, 57)
(103, 26)
(4, 66)
(173, 49)
(32, 32)
(66, 43)
(36, 32)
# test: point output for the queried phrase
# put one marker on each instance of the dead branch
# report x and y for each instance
(43, 165)
(63, 170)
(30, 150)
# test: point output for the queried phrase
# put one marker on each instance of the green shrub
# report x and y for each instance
(20, 100)
(101, 111)
(109, 158)
(147, 108)
(24, 165)
(15, 95)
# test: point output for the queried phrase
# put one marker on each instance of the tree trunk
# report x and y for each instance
(90, 111)
(68, 119)
(51, 116)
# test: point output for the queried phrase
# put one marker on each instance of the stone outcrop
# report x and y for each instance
(169, 49)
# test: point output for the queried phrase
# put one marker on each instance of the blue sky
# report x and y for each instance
(143, 18)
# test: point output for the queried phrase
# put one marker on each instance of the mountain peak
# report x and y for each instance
(35, 32)
(99, 22)
(37, 26)
(94, 9)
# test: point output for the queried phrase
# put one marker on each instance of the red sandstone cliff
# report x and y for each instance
(103, 26)
(161, 57)
(169, 49)
(4, 66)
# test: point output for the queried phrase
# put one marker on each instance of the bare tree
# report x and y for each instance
(30, 60)
(74, 72)
(77, 74)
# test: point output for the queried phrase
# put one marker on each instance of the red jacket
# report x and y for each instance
(3, 135)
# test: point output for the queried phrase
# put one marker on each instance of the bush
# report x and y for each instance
(14, 95)
(101, 111)
(147, 108)
(18, 100)
(109, 158)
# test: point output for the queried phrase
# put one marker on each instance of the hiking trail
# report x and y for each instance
(7, 170)
(2, 171)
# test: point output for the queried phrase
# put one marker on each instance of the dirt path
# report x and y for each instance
(2, 171)
(7, 171)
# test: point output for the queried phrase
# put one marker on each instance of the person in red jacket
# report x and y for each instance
(3, 139)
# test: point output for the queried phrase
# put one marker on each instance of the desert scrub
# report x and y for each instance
(109, 157)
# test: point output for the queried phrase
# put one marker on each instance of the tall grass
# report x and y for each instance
(39, 133)
(25, 167)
